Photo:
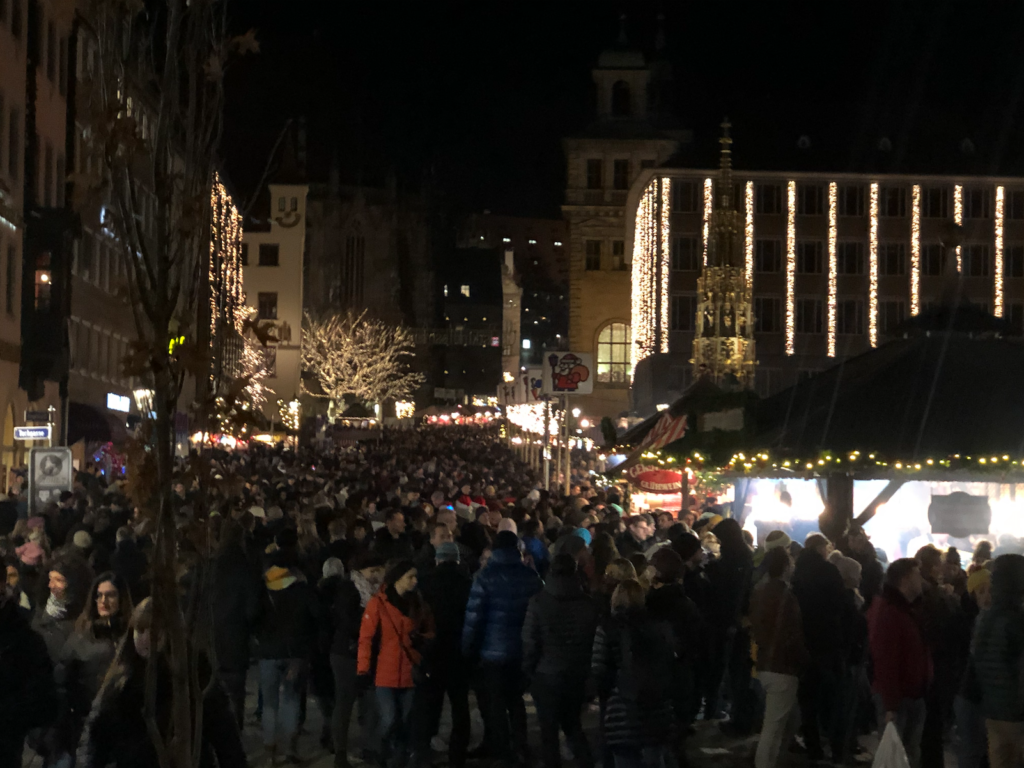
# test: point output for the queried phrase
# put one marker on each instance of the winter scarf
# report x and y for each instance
(56, 609)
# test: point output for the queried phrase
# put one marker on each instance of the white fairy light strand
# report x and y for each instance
(663, 257)
(708, 201)
(643, 276)
(832, 268)
(873, 267)
(791, 268)
(958, 218)
(1000, 196)
(915, 250)
(748, 242)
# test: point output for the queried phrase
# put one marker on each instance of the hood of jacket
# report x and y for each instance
(505, 557)
(564, 587)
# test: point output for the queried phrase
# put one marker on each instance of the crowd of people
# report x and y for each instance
(381, 580)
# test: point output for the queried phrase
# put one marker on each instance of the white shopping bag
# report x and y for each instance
(891, 753)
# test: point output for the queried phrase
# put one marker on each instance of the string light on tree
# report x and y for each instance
(915, 249)
(1000, 196)
(290, 413)
(958, 219)
(708, 200)
(790, 268)
(873, 267)
(404, 409)
(832, 267)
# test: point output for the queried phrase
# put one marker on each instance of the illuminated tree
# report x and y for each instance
(352, 354)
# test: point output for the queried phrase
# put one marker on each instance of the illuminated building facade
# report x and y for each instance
(839, 260)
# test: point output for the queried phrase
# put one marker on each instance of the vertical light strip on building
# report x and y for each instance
(958, 218)
(791, 268)
(707, 216)
(749, 234)
(832, 267)
(664, 258)
(642, 296)
(1000, 195)
(873, 268)
(915, 249)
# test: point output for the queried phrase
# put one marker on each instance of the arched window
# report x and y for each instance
(621, 106)
(613, 354)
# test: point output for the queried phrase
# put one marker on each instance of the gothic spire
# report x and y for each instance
(725, 167)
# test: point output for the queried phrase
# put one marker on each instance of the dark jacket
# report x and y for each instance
(558, 634)
(872, 575)
(669, 604)
(902, 662)
(493, 630)
(628, 544)
(819, 589)
(235, 597)
(84, 663)
(117, 732)
(729, 584)
(28, 695)
(998, 651)
(628, 650)
(288, 627)
(341, 606)
(390, 548)
(446, 590)
(128, 562)
(55, 632)
(777, 628)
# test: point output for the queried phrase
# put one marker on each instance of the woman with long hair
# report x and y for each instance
(396, 624)
(604, 551)
(90, 649)
(117, 730)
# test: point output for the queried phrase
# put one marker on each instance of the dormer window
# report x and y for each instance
(621, 106)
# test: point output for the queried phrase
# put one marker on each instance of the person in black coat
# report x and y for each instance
(235, 598)
(28, 694)
(558, 637)
(344, 613)
(128, 562)
(391, 541)
(445, 589)
(818, 588)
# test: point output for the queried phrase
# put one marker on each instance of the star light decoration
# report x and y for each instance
(1000, 196)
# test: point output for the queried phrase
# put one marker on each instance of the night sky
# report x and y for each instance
(473, 99)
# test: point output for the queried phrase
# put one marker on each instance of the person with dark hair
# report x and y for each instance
(235, 600)
(28, 695)
(558, 636)
(818, 587)
(118, 733)
(88, 652)
(391, 541)
(730, 582)
(638, 536)
(997, 662)
(778, 631)
(902, 661)
(872, 575)
(536, 546)
(395, 627)
(287, 630)
(68, 591)
(631, 653)
(446, 591)
(128, 562)
(493, 636)
(437, 533)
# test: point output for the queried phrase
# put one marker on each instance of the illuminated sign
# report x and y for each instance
(117, 402)
(32, 433)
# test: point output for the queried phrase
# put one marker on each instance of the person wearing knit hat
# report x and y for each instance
(82, 540)
(979, 587)
(776, 539)
(30, 553)
(584, 534)
(508, 524)
(447, 552)
(506, 540)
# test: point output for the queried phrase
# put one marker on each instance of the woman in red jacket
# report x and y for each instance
(395, 626)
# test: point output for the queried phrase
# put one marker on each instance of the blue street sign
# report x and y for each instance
(32, 433)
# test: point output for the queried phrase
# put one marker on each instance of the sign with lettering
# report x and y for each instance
(32, 433)
(655, 479)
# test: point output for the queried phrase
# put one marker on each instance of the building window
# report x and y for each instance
(1014, 261)
(851, 200)
(892, 259)
(16, 19)
(620, 174)
(809, 200)
(267, 306)
(684, 196)
(975, 260)
(808, 316)
(1015, 205)
(10, 280)
(935, 202)
(1015, 317)
(976, 203)
(768, 198)
(768, 256)
(892, 202)
(62, 69)
(682, 316)
(850, 317)
(352, 269)
(767, 314)
(684, 254)
(931, 260)
(43, 282)
(619, 255)
(464, 291)
(13, 134)
(594, 174)
(593, 255)
(891, 314)
(3, 11)
(850, 258)
(269, 255)
(621, 106)
(808, 257)
(613, 354)
(245, 254)
(51, 52)
(295, 203)
(280, 204)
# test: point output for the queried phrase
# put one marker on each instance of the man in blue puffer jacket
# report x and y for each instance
(493, 635)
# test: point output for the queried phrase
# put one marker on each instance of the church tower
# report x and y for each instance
(723, 345)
